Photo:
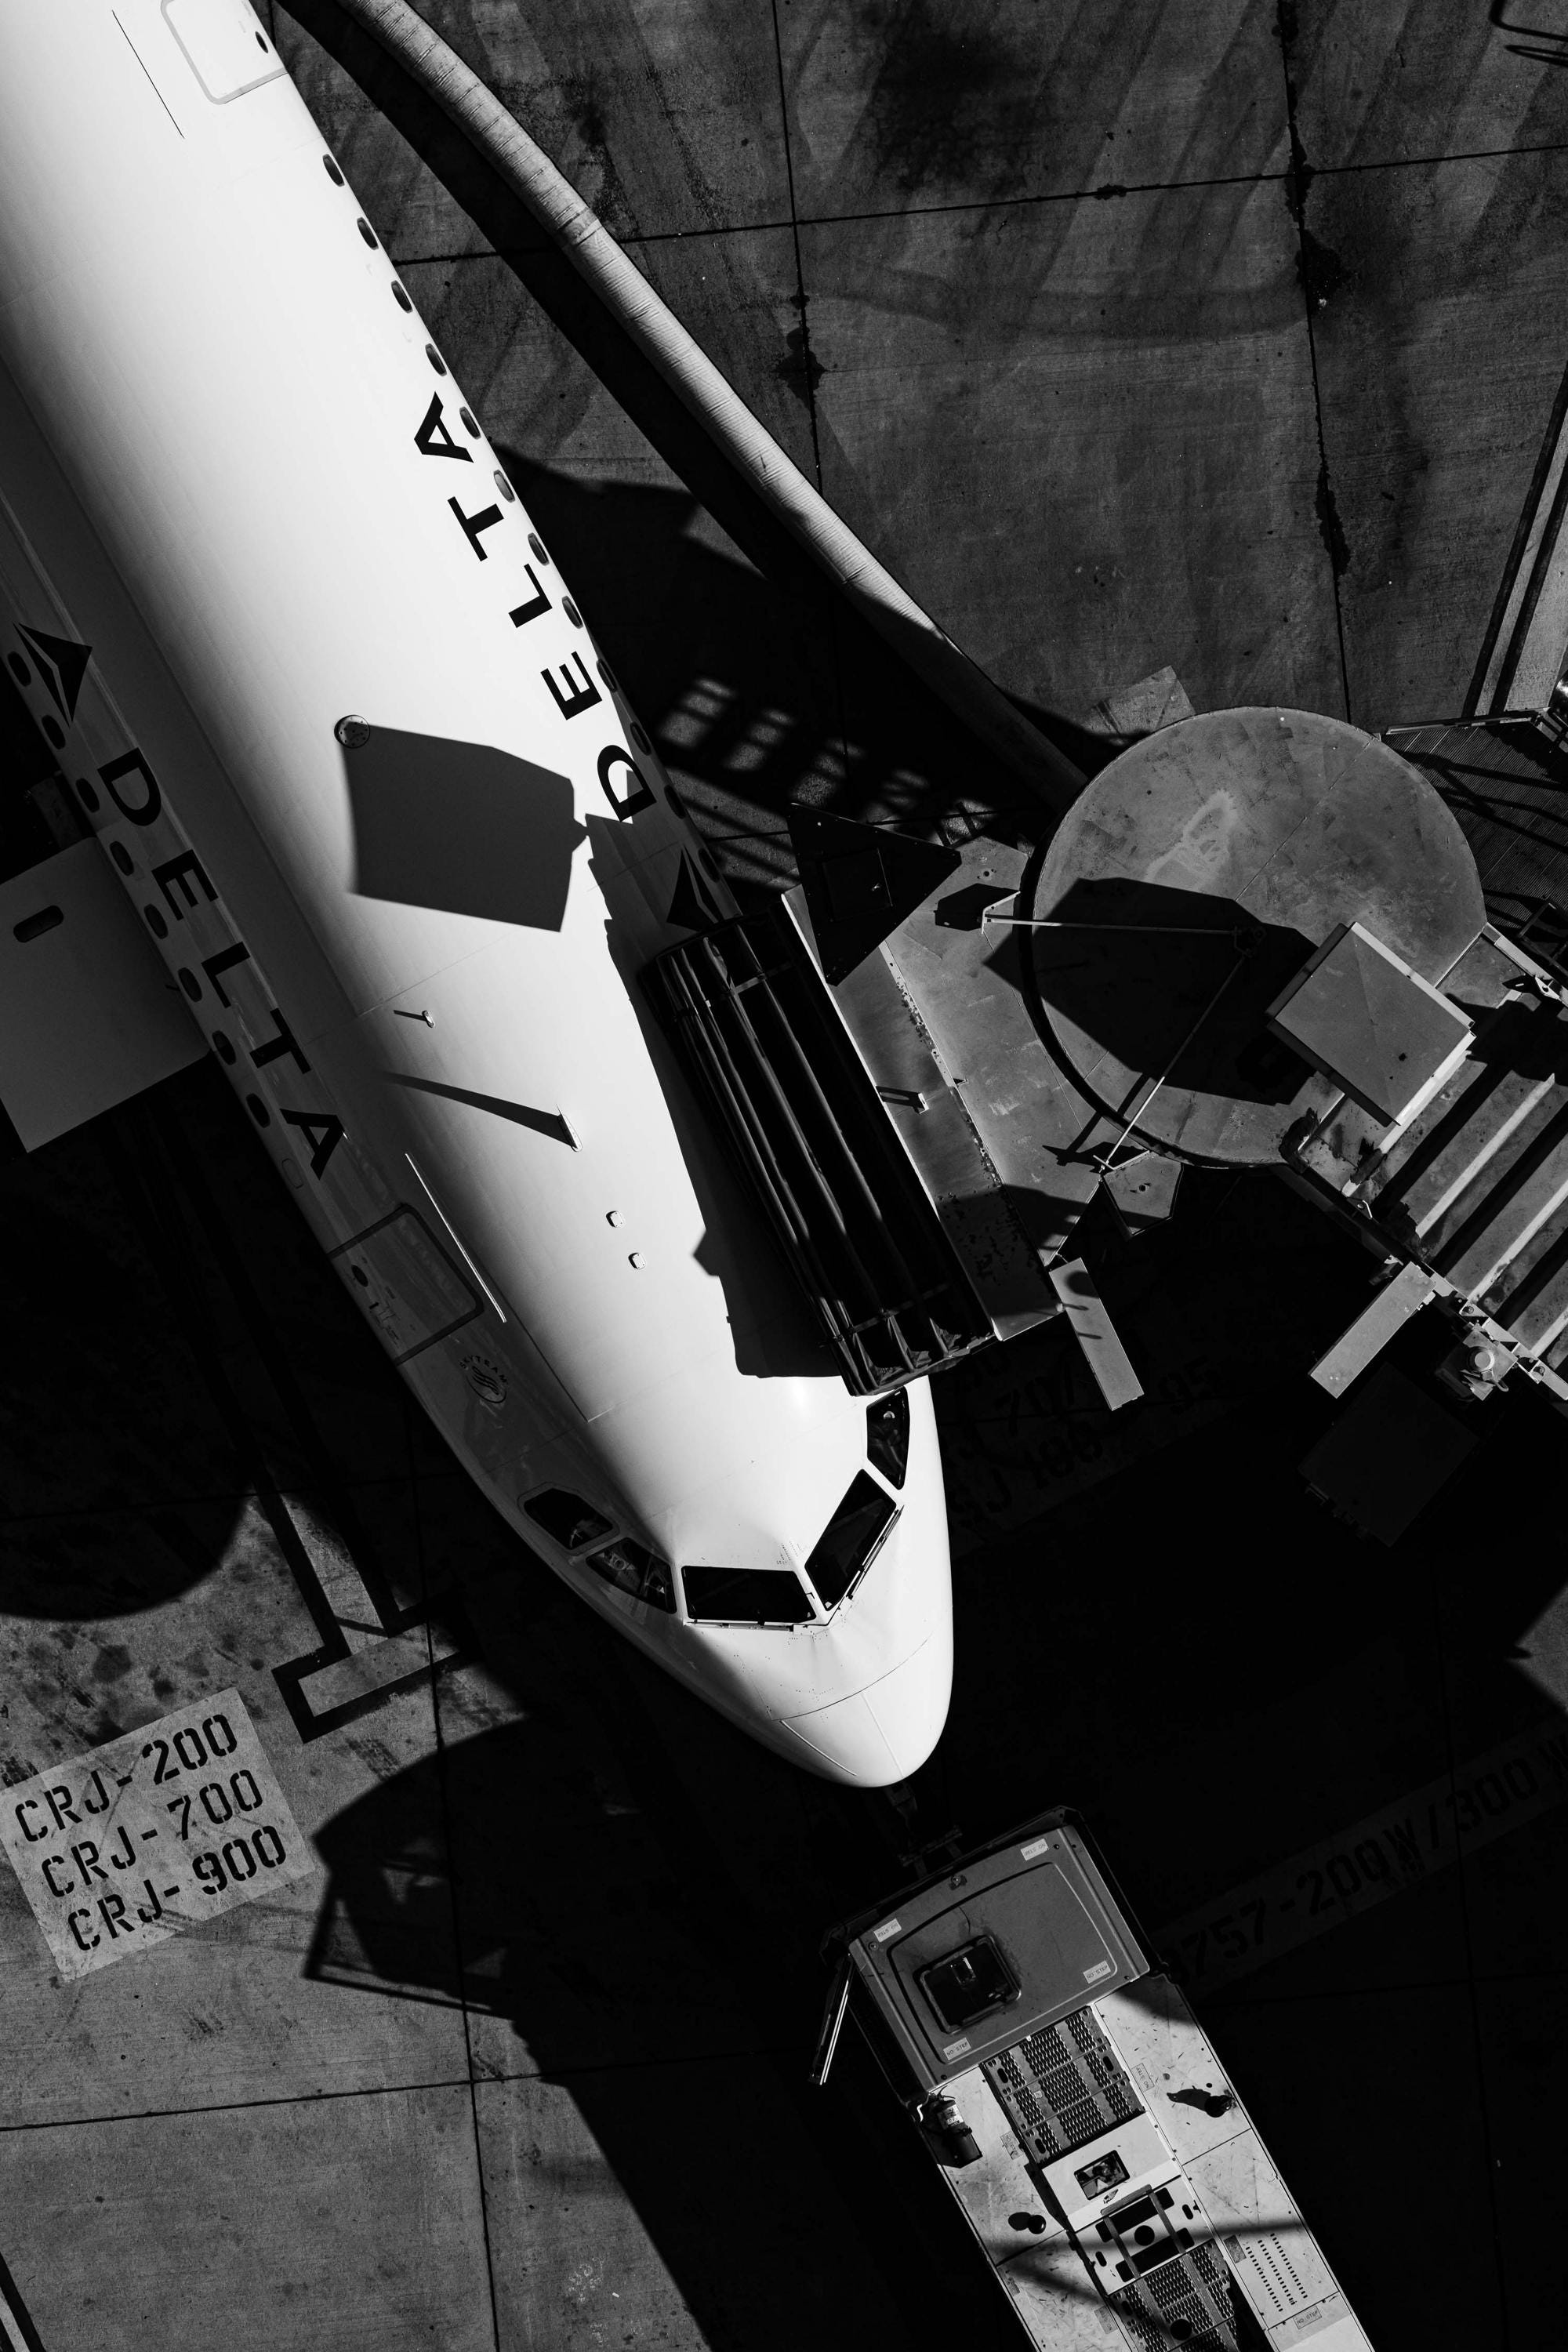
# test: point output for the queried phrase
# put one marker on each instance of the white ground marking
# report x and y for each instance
(1400, 1847)
(151, 1833)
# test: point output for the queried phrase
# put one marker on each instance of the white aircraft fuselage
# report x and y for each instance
(399, 836)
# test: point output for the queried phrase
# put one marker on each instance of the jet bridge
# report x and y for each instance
(868, 1053)
(1258, 940)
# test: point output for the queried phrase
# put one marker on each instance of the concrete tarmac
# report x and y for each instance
(1203, 335)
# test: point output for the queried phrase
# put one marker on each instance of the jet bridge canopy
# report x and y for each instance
(759, 1035)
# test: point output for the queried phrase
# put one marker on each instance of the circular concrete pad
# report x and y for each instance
(1197, 873)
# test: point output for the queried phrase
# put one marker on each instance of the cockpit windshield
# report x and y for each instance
(633, 1568)
(848, 1543)
(567, 1517)
(888, 1435)
(745, 1596)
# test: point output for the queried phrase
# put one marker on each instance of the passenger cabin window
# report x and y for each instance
(631, 1568)
(888, 1435)
(745, 1596)
(566, 1518)
(850, 1541)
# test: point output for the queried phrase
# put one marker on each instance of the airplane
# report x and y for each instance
(341, 734)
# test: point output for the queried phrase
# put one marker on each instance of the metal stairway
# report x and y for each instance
(1471, 1192)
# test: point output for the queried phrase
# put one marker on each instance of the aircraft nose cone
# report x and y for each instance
(882, 1733)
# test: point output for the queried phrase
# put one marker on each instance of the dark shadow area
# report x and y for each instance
(541, 1122)
(1172, 983)
(964, 910)
(860, 881)
(1227, 1518)
(462, 826)
(569, 1923)
(1504, 779)
(757, 697)
(551, 1875)
(93, 1380)
(25, 764)
(111, 1563)
(1537, 924)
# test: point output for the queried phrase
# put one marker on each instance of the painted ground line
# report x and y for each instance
(17, 2333)
(153, 1831)
(1402, 1845)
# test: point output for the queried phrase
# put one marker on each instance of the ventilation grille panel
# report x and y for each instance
(1277, 2274)
(1192, 2300)
(1063, 2087)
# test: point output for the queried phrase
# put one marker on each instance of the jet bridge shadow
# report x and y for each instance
(758, 693)
(465, 828)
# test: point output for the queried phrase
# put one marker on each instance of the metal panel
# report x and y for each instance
(936, 1123)
(1063, 2087)
(1387, 1455)
(224, 45)
(750, 1016)
(408, 1285)
(1387, 1312)
(88, 1016)
(1358, 1011)
(1096, 1334)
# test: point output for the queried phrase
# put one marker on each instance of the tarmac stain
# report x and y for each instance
(948, 103)
(1330, 526)
(111, 1664)
(799, 369)
(581, 2282)
(1320, 267)
(1208, 2102)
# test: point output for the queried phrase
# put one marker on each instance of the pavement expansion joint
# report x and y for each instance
(1103, 192)
(243, 2107)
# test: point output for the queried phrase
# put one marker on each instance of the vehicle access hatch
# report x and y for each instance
(1018, 1937)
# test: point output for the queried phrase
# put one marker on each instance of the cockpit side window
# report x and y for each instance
(849, 1542)
(567, 1519)
(888, 1435)
(634, 1570)
(745, 1596)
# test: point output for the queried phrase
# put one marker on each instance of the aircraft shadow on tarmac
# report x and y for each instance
(530, 1875)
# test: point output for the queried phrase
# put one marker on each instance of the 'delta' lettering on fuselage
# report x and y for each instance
(572, 689)
(190, 907)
